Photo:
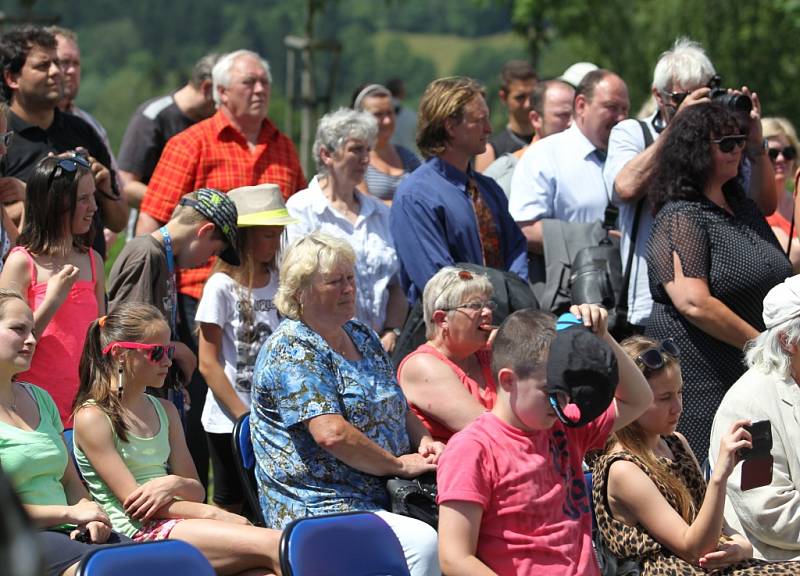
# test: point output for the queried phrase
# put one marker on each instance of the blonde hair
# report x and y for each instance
(631, 437)
(775, 126)
(316, 252)
(447, 289)
(444, 99)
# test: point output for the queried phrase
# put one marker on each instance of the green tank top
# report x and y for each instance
(146, 458)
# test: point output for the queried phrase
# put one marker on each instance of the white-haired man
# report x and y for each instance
(680, 79)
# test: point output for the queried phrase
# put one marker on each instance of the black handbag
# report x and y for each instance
(415, 498)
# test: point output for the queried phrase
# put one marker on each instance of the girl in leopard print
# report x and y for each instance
(649, 494)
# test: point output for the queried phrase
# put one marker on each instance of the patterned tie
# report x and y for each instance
(487, 228)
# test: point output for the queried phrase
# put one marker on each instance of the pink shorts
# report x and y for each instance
(155, 530)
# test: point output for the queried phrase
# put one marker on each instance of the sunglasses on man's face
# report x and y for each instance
(653, 358)
(788, 153)
(153, 352)
(676, 98)
(728, 143)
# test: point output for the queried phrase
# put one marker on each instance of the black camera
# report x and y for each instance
(731, 100)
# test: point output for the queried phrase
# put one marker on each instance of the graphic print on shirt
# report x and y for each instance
(249, 338)
(576, 498)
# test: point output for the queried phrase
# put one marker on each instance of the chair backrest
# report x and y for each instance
(348, 543)
(246, 465)
(162, 558)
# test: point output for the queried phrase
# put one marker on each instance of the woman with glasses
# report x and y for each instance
(329, 422)
(711, 258)
(651, 502)
(333, 205)
(58, 272)
(448, 380)
(783, 146)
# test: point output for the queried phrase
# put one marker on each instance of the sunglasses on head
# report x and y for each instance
(154, 352)
(728, 143)
(69, 165)
(653, 358)
(788, 153)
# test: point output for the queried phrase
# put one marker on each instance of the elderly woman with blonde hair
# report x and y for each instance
(783, 146)
(769, 515)
(448, 380)
(329, 420)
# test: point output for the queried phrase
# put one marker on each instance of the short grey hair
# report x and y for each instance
(315, 252)
(447, 289)
(685, 63)
(767, 351)
(201, 71)
(336, 128)
(220, 73)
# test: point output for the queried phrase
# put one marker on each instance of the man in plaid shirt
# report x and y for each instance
(237, 146)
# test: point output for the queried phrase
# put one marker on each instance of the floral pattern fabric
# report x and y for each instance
(298, 376)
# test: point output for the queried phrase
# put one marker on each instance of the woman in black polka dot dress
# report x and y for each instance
(711, 258)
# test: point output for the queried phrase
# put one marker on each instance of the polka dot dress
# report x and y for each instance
(740, 259)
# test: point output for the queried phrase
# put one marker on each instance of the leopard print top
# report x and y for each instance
(635, 542)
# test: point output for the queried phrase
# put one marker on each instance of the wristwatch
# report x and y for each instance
(396, 331)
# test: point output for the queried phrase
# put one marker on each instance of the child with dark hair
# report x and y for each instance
(59, 274)
(132, 452)
(511, 488)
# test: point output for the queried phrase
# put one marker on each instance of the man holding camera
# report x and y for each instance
(683, 76)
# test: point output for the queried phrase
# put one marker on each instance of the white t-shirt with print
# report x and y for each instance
(222, 303)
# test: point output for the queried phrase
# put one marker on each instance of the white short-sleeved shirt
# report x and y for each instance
(222, 304)
(561, 178)
(376, 259)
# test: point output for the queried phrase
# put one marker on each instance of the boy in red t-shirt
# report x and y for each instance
(511, 490)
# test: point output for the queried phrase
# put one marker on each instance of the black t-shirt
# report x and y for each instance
(153, 123)
(66, 133)
(508, 141)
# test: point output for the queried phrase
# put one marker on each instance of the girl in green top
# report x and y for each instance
(33, 453)
(132, 453)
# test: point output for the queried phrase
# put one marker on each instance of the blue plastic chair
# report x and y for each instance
(246, 465)
(162, 558)
(352, 543)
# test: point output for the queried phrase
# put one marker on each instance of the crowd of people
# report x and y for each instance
(249, 287)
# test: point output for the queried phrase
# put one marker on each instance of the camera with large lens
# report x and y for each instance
(731, 100)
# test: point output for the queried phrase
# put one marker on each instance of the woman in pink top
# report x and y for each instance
(54, 267)
(448, 380)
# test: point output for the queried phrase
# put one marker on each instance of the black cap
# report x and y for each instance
(582, 366)
(220, 211)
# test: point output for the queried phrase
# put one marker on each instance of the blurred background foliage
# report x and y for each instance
(134, 50)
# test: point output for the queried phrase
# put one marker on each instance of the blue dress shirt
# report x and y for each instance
(433, 224)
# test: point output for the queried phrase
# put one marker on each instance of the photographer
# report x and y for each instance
(769, 516)
(680, 80)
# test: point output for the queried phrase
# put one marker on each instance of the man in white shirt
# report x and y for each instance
(562, 176)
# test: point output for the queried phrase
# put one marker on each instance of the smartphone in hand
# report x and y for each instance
(757, 461)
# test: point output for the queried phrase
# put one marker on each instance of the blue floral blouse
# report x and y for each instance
(298, 377)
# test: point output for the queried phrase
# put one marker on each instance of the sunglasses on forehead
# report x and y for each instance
(69, 165)
(728, 143)
(653, 358)
(153, 352)
(788, 153)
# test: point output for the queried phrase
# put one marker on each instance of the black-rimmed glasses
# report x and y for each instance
(676, 98)
(653, 358)
(728, 143)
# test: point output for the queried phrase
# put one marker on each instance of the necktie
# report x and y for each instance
(487, 228)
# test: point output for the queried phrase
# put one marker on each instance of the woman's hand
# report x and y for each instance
(145, 501)
(729, 552)
(60, 283)
(86, 511)
(413, 465)
(430, 449)
(729, 447)
(98, 532)
(593, 316)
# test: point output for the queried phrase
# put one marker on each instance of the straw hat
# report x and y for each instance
(260, 205)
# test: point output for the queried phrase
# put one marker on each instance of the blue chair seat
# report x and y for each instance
(246, 465)
(162, 558)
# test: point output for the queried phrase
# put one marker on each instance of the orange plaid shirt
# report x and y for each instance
(214, 154)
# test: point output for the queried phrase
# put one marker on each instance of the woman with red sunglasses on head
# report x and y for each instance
(711, 257)
(651, 502)
(132, 453)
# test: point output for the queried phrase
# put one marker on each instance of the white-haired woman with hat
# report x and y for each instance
(448, 380)
(769, 516)
(388, 163)
(651, 501)
(235, 315)
(333, 205)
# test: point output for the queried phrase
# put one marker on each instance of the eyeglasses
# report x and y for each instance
(653, 358)
(676, 98)
(8, 137)
(477, 305)
(728, 143)
(155, 352)
(68, 165)
(788, 153)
